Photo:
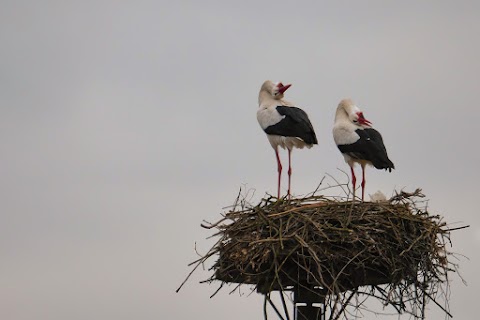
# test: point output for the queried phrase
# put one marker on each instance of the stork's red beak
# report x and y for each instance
(362, 120)
(282, 88)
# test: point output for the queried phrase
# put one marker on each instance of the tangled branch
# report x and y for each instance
(393, 251)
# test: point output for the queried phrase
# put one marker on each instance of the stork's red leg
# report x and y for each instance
(363, 181)
(354, 181)
(289, 171)
(279, 169)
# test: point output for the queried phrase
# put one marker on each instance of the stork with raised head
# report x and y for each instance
(286, 126)
(358, 141)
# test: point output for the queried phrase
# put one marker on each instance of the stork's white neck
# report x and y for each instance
(265, 98)
(346, 112)
(341, 114)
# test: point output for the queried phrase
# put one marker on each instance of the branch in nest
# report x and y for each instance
(402, 195)
(339, 246)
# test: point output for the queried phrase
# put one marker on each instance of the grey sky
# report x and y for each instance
(124, 124)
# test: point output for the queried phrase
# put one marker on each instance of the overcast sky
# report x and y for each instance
(124, 124)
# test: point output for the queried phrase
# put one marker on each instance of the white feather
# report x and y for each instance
(268, 116)
(378, 197)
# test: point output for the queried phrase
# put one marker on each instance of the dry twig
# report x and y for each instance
(393, 250)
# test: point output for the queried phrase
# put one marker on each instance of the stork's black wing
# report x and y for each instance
(294, 124)
(369, 147)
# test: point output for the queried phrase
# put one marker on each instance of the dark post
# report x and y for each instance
(304, 298)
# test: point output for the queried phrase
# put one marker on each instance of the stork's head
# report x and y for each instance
(354, 113)
(276, 90)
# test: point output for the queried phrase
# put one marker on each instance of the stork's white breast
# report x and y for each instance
(343, 134)
(268, 116)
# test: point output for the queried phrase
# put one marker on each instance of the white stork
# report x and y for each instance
(286, 126)
(358, 141)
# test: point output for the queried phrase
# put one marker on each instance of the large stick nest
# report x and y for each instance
(391, 250)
